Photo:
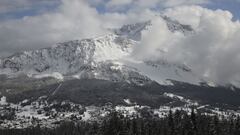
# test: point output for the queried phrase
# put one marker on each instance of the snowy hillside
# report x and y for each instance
(107, 57)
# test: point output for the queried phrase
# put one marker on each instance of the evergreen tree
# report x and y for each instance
(171, 123)
(178, 123)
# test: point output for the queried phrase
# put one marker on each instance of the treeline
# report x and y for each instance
(178, 123)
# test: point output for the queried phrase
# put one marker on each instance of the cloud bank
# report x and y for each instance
(142, 4)
(212, 51)
(19, 5)
(73, 19)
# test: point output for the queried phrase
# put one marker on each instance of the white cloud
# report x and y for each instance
(119, 2)
(19, 5)
(74, 19)
(173, 3)
(156, 40)
(116, 5)
(96, 3)
(115, 19)
(212, 52)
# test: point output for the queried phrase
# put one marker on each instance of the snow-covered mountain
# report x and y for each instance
(107, 57)
(68, 57)
(88, 58)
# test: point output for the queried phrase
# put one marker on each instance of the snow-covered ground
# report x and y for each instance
(40, 112)
(163, 73)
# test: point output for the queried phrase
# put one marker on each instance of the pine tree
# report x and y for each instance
(237, 126)
(171, 123)
(193, 122)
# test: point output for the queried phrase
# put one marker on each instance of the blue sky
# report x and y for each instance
(231, 5)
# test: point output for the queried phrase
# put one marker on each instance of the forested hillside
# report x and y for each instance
(177, 123)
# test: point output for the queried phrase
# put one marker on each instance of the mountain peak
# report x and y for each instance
(106, 57)
(174, 25)
(132, 31)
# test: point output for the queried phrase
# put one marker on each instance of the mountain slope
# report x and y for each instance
(68, 57)
(105, 57)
